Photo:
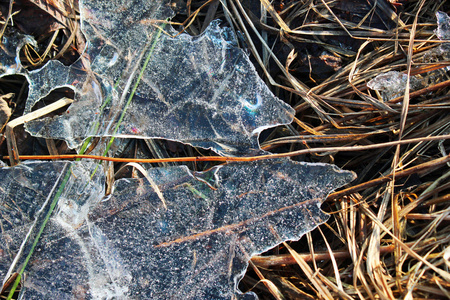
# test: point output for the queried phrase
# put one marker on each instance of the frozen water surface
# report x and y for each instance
(12, 41)
(443, 22)
(203, 90)
(392, 84)
(26, 194)
(195, 245)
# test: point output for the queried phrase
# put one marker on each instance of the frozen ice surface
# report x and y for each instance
(195, 246)
(441, 53)
(23, 191)
(443, 22)
(26, 193)
(12, 41)
(202, 91)
(206, 92)
(392, 84)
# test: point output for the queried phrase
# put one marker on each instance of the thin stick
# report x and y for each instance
(232, 158)
(287, 259)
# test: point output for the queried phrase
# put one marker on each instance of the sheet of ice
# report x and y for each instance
(194, 246)
(443, 22)
(12, 41)
(203, 90)
(441, 53)
(206, 91)
(26, 193)
(392, 84)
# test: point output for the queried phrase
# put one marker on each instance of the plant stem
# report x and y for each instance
(41, 229)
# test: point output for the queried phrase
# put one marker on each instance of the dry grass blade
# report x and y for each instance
(149, 179)
(444, 274)
(269, 284)
(322, 291)
(8, 18)
(60, 10)
(9, 130)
